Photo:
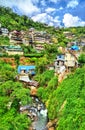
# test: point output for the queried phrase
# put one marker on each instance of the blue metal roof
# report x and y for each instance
(74, 47)
(61, 57)
(26, 68)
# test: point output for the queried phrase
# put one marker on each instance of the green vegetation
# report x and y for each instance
(66, 103)
(45, 77)
(12, 95)
(4, 40)
(17, 59)
(41, 64)
(28, 49)
(48, 83)
(82, 59)
(6, 72)
(34, 55)
(70, 102)
(78, 32)
(13, 21)
(83, 48)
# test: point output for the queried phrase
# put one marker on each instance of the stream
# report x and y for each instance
(38, 114)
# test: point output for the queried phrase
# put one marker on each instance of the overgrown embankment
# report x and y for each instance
(67, 101)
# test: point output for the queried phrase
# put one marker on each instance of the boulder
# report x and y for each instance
(33, 91)
(51, 124)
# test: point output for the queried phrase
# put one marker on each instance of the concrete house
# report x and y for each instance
(25, 37)
(69, 35)
(39, 47)
(13, 50)
(4, 31)
(71, 58)
(39, 37)
(59, 64)
(15, 37)
(60, 59)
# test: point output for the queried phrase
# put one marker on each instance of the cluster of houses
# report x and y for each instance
(69, 35)
(68, 60)
(35, 38)
(80, 41)
(32, 37)
(15, 37)
(63, 62)
(26, 37)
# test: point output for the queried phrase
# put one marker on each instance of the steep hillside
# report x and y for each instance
(68, 102)
(65, 102)
(13, 21)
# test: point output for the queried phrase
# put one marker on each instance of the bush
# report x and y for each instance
(81, 58)
(33, 55)
(4, 40)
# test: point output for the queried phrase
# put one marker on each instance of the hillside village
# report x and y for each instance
(41, 60)
(63, 63)
(17, 38)
(37, 40)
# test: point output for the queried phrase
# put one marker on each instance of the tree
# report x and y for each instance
(40, 64)
(81, 59)
(12, 96)
(45, 77)
(4, 40)
(6, 72)
(67, 102)
(49, 83)
(17, 58)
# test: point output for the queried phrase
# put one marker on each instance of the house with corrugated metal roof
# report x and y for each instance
(30, 69)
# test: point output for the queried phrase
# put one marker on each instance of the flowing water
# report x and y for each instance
(38, 114)
(40, 123)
